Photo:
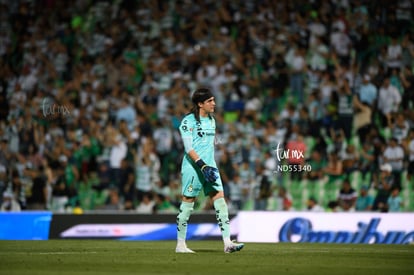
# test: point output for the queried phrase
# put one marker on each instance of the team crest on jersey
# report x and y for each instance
(190, 188)
(200, 133)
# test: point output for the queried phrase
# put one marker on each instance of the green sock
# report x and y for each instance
(182, 218)
(222, 216)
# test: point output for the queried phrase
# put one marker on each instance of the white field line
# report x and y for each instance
(50, 253)
(359, 250)
(64, 253)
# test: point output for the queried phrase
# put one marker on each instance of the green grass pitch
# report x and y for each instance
(125, 257)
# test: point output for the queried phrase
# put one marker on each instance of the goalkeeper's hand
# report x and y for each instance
(210, 173)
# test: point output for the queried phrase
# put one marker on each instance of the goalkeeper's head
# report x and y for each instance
(200, 95)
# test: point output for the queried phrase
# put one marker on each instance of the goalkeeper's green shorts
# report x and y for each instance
(192, 182)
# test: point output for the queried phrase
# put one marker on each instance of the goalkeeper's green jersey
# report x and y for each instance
(200, 136)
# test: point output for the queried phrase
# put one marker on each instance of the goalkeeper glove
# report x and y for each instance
(210, 173)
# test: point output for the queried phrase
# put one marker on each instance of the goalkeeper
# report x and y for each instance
(199, 170)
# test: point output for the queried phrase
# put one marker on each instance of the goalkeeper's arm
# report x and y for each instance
(210, 173)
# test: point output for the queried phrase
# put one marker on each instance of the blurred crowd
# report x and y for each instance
(92, 93)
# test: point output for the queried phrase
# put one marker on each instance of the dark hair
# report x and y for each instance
(394, 139)
(199, 96)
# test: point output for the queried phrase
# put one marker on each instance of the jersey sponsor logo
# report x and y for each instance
(202, 133)
(208, 132)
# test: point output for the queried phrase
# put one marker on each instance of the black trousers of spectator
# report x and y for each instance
(397, 179)
(315, 128)
(115, 175)
(383, 120)
(345, 122)
(407, 98)
(363, 131)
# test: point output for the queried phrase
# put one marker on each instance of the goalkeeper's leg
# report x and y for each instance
(222, 216)
(182, 219)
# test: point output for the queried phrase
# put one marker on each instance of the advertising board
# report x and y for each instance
(378, 228)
